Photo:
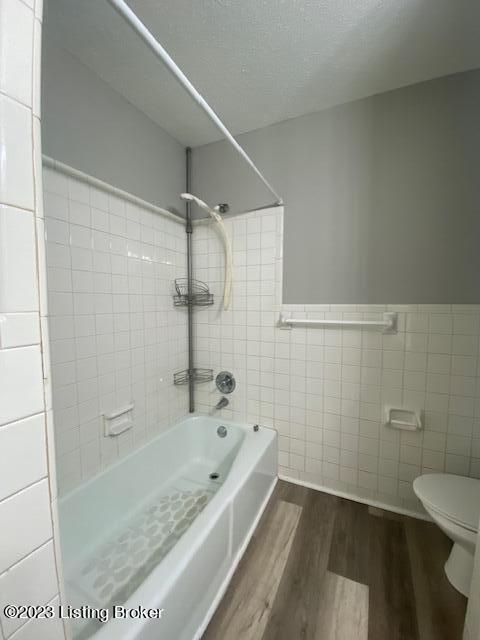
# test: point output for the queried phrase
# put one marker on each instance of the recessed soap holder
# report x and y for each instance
(406, 419)
(118, 421)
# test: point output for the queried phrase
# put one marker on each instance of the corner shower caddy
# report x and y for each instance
(194, 292)
(195, 375)
(191, 293)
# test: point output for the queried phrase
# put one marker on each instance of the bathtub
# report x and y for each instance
(164, 529)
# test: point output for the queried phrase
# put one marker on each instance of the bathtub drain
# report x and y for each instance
(214, 476)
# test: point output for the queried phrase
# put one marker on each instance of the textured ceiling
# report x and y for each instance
(262, 61)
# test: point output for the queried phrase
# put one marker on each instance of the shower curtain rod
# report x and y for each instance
(133, 20)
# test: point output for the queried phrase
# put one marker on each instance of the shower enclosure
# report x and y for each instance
(154, 498)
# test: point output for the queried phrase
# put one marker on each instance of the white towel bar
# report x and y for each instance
(388, 324)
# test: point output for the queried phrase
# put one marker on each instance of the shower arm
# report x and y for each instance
(134, 21)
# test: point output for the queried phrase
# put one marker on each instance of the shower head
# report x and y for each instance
(200, 203)
(213, 212)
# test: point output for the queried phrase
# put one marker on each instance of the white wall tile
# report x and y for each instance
(25, 520)
(21, 391)
(18, 272)
(37, 66)
(16, 50)
(51, 629)
(343, 378)
(23, 458)
(19, 330)
(16, 177)
(32, 580)
(114, 331)
(25, 523)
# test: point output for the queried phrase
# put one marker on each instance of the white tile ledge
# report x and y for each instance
(51, 163)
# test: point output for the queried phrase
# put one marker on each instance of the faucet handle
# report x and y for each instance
(225, 382)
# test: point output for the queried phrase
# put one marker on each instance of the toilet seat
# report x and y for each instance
(456, 498)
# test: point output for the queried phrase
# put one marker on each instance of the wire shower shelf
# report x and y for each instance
(197, 375)
(198, 295)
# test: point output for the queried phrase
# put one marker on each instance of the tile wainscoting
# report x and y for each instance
(115, 334)
(325, 389)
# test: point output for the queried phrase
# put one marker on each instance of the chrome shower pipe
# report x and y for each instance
(189, 232)
(134, 21)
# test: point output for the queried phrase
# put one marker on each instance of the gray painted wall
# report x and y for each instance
(91, 127)
(382, 194)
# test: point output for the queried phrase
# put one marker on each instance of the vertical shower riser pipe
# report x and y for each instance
(189, 231)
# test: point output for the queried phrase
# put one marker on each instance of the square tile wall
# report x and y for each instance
(325, 390)
(115, 335)
(29, 571)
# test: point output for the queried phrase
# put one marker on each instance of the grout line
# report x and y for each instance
(25, 487)
(27, 555)
(25, 105)
(19, 419)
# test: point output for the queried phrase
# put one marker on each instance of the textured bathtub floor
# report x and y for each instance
(122, 562)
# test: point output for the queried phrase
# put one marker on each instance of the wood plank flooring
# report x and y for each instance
(323, 568)
(256, 590)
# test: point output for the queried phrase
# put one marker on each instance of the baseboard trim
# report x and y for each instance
(351, 496)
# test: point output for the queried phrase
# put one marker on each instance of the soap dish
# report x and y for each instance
(406, 419)
(117, 421)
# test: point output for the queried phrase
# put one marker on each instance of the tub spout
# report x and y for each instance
(223, 402)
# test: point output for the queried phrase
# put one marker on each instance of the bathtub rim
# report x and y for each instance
(193, 417)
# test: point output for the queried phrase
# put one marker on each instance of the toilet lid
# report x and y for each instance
(455, 497)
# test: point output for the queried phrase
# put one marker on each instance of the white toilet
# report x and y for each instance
(453, 502)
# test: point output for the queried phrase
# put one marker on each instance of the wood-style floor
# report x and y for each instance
(323, 568)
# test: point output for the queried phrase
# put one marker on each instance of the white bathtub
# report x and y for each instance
(154, 531)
